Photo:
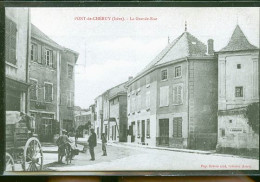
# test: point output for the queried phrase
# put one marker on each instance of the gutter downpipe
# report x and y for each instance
(27, 102)
(188, 104)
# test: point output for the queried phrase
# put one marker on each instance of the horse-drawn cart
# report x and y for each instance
(22, 147)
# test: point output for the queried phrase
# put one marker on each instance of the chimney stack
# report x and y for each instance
(130, 78)
(210, 47)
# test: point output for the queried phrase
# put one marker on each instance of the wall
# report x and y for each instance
(229, 77)
(203, 103)
(20, 17)
(67, 85)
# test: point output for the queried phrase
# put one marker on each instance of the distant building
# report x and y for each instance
(111, 109)
(82, 118)
(67, 88)
(17, 60)
(238, 86)
(99, 116)
(173, 101)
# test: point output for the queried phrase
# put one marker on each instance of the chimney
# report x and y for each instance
(210, 47)
(130, 78)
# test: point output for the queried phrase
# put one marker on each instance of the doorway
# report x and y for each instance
(164, 132)
(143, 131)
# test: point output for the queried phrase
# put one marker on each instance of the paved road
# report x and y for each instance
(128, 158)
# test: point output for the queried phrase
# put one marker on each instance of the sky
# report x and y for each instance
(111, 50)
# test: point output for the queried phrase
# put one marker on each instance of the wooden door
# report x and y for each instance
(163, 131)
(143, 131)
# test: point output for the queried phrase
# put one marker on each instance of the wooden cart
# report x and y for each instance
(22, 148)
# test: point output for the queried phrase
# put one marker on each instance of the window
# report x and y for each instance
(177, 72)
(33, 89)
(128, 106)
(222, 132)
(238, 66)
(48, 92)
(34, 52)
(148, 128)
(164, 96)
(239, 91)
(10, 41)
(147, 80)
(133, 104)
(177, 127)
(48, 57)
(178, 94)
(164, 75)
(139, 102)
(70, 71)
(70, 99)
(138, 128)
(147, 100)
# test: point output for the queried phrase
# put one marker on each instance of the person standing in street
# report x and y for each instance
(92, 140)
(104, 142)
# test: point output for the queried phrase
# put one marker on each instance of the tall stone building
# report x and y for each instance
(17, 60)
(238, 87)
(173, 101)
(44, 78)
(67, 88)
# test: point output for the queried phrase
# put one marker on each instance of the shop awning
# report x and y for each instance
(16, 85)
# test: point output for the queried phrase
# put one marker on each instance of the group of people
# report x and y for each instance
(92, 143)
(92, 140)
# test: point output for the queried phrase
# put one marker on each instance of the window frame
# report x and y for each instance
(166, 105)
(236, 87)
(177, 90)
(34, 54)
(179, 133)
(50, 61)
(45, 92)
(8, 41)
(165, 69)
(70, 98)
(36, 91)
(176, 67)
(72, 74)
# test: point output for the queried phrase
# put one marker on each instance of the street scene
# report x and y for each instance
(91, 89)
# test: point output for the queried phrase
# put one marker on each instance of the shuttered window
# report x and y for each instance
(138, 128)
(48, 92)
(147, 100)
(177, 127)
(34, 52)
(164, 96)
(70, 71)
(49, 57)
(10, 41)
(164, 74)
(139, 102)
(148, 128)
(33, 89)
(70, 99)
(178, 94)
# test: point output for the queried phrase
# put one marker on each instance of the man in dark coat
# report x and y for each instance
(92, 140)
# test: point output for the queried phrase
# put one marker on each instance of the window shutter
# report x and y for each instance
(43, 56)
(13, 37)
(179, 94)
(54, 65)
(174, 95)
(39, 54)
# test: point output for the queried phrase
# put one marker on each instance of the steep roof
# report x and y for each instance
(238, 42)
(185, 45)
(38, 34)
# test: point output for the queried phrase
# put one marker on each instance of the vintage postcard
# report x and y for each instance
(131, 89)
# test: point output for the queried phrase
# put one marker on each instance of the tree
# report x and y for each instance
(252, 113)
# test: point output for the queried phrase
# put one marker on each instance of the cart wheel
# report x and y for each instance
(33, 155)
(9, 162)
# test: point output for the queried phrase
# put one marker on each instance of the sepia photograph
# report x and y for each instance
(93, 89)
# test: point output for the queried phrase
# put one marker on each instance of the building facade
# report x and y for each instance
(17, 60)
(67, 88)
(98, 126)
(44, 78)
(238, 87)
(173, 101)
